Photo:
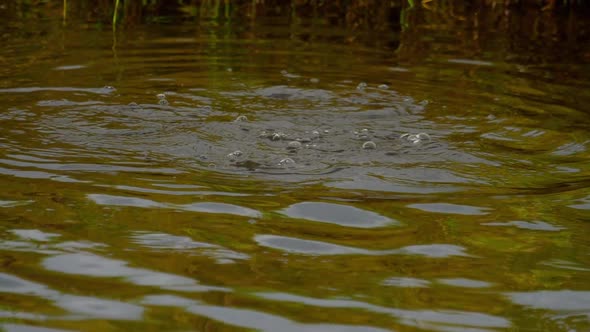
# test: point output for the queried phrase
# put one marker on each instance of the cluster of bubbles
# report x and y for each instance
(362, 86)
(273, 135)
(415, 138)
(162, 99)
(295, 144)
(365, 135)
(235, 155)
(362, 135)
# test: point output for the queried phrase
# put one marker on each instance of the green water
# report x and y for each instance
(121, 210)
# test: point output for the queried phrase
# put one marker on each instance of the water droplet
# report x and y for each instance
(369, 145)
(294, 145)
(287, 162)
(361, 86)
(314, 80)
(241, 118)
(383, 86)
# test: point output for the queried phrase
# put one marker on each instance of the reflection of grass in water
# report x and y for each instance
(115, 14)
(353, 12)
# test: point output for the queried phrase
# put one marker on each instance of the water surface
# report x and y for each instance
(216, 177)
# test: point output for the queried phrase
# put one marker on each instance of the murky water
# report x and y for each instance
(212, 178)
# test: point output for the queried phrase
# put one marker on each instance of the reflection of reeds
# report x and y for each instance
(356, 14)
(408, 21)
(115, 14)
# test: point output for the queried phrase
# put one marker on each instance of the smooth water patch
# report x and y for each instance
(464, 282)
(310, 247)
(204, 207)
(450, 208)
(559, 300)
(167, 241)
(299, 246)
(248, 318)
(87, 307)
(582, 204)
(34, 234)
(96, 266)
(406, 282)
(532, 225)
(163, 242)
(8, 327)
(338, 214)
(451, 319)
(7, 204)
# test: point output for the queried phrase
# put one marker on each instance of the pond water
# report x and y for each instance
(291, 178)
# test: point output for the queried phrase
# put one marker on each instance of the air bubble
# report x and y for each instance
(108, 87)
(314, 80)
(369, 145)
(361, 86)
(161, 96)
(294, 145)
(287, 162)
(383, 86)
(423, 136)
(241, 118)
